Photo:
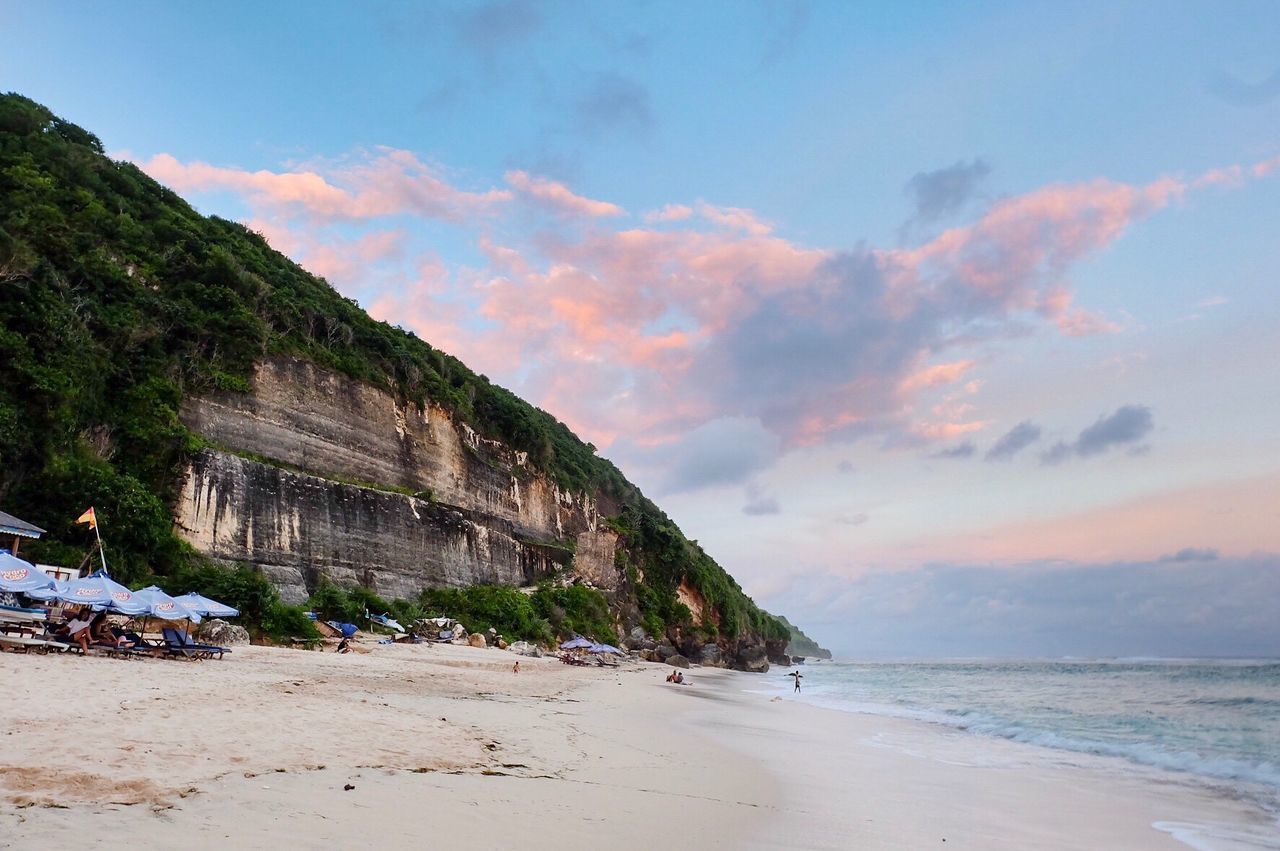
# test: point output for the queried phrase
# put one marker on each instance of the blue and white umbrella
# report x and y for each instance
(605, 648)
(578, 643)
(19, 576)
(161, 605)
(99, 591)
(202, 605)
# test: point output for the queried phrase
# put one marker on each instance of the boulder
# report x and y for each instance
(797, 660)
(752, 658)
(711, 655)
(221, 633)
(780, 659)
(665, 651)
(648, 644)
(459, 632)
(477, 640)
(676, 661)
(638, 633)
(502, 643)
(524, 648)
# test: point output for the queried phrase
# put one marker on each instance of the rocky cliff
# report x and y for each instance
(198, 387)
(313, 473)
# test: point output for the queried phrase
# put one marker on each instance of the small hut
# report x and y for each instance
(13, 530)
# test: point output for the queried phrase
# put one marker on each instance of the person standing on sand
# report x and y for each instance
(799, 676)
(515, 669)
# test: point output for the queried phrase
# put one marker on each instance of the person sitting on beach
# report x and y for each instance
(77, 629)
(344, 646)
(105, 634)
(679, 680)
(671, 677)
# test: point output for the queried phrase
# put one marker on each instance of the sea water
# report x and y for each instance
(1215, 721)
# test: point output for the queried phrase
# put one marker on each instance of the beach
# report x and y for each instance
(401, 745)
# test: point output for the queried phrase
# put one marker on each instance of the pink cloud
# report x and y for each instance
(669, 213)
(736, 218)
(387, 183)
(645, 333)
(559, 197)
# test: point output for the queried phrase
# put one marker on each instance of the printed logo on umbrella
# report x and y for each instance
(164, 607)
(15, 575)
(121, 596)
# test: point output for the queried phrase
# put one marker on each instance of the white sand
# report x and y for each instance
(446, 745)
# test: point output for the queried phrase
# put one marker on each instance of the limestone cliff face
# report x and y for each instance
(479, 514)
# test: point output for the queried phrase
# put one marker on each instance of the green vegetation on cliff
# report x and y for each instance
(117, 299)
(800, 644)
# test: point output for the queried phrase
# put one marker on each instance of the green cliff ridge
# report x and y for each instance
(118, 300)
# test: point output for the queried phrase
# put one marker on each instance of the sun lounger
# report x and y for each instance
(176, 638)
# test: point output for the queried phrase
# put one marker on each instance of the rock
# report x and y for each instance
(752, 658)
(502, 643)
(781, 659)
(459, 632)
(524, 648)
(477, 640)
(665, 651)
(676, 661)
(797, 660)
(638, 633)
(648, 644)
(221, 633)
(711, 655)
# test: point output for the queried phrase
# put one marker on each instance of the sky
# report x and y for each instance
(949, 330)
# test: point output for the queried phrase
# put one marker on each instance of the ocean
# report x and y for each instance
(1211, 721)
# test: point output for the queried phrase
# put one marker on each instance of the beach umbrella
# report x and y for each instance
(578, 643)
(605, 648)
(202, 605)
(161, 605)
(101, 592)
(18, 576)
(53, 592)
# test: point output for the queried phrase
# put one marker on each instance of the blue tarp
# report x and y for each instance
(17, 575)
(347, 629)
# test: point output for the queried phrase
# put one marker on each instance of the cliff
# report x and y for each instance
(313, 473)
(213, 400)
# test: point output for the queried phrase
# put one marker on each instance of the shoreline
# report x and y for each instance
(446, 744)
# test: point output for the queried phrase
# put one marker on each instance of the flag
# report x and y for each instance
(88, 517)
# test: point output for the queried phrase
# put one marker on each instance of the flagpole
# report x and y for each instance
(101, 553)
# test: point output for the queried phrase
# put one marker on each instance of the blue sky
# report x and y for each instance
(796, 267)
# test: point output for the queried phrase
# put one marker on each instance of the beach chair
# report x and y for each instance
(179, 640)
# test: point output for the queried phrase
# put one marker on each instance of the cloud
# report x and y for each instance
(1234, 90)
(720, 452)
(785, 23)
(936, 194)
(1016, 439)
(1187, 554)
(1126, 427)
(759, 504)
(1127, 608)
(559, 197)
(378, 184)
(858, 519)
(845, 467)
(496, 25)
(669, 213)
(613, 105)
(702, 331)
(960, 450)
